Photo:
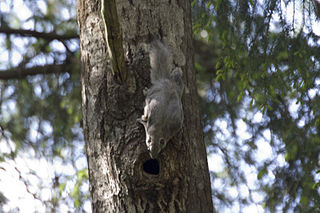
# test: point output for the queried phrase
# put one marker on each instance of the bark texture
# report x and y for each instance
(122, 179)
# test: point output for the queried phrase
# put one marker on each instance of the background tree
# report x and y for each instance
(258, 78)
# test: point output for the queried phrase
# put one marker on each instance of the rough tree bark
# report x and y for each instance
(122, 176)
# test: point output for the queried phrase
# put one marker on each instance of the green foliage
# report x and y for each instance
(264, 65)
(76, 193)
(40, 115)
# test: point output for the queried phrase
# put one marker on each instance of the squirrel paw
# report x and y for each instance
(144, 118)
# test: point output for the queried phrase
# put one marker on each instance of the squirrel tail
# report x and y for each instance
(160, 61)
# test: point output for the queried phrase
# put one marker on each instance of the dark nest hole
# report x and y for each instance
(151, 166)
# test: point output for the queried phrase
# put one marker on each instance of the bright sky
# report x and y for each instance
(15, 190)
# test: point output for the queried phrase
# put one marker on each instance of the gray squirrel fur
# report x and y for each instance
(163, 113)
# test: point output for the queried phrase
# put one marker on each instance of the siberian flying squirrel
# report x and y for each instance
(163, 112)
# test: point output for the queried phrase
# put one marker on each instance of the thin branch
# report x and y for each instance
(36, 34)
(26, 184)
(18, 73)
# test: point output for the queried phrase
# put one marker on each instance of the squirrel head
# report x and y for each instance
(155, 141)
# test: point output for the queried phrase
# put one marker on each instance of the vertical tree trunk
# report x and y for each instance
(122, 176)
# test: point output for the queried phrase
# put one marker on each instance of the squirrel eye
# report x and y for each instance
(161, 141)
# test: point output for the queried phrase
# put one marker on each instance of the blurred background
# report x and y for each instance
(258, 77)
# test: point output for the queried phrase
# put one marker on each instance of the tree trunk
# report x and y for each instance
(123, 178)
